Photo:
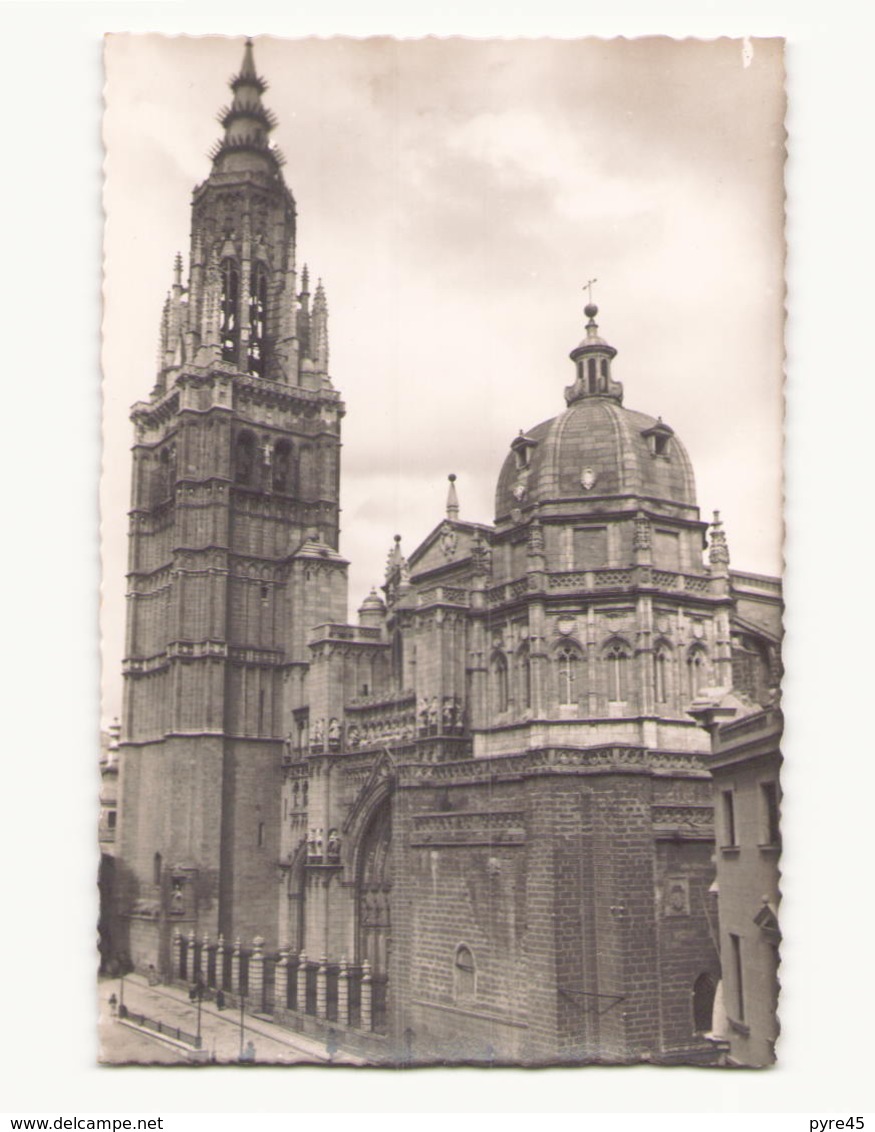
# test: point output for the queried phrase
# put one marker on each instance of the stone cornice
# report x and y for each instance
(614, 759)
(627, 581)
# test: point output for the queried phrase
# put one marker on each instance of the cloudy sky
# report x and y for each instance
(454, 196)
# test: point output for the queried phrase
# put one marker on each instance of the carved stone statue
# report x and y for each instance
(448, 540)
(333, 734)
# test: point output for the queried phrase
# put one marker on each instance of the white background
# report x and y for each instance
(52, 235)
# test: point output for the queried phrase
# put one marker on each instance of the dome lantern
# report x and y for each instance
(592, 360)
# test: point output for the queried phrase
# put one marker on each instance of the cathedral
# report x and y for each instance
(475, 824)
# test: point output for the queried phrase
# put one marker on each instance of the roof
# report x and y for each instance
(596, 448)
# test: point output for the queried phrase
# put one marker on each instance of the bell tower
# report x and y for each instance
(232, 552)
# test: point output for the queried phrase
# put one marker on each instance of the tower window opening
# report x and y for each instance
(257, 309)
(524, 665)
(697, 666)
(603, 379)
(282, 467)
(617, 658)
(229, 330)
(661, 663)
(244, 463)
(499, 682)
(567, 660)
(167, 473)
(590, 372)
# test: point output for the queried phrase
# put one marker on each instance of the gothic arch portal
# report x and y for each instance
(373, 890)
(374, 906)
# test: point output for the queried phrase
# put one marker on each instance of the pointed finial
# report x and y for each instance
(177, 270)
(452, 498)
(247, 69)
(719, 548)
(305, 281)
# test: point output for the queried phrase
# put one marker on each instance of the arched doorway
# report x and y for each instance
(373, 904)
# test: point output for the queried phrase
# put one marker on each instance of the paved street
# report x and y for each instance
(220, 1030)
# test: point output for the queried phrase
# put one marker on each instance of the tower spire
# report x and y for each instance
(247, 70)
(247, 122)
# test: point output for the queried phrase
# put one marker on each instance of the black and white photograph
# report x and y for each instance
(442, 551)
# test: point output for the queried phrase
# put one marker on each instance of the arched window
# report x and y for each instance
(524, 676)
(257, 314)
(567, 674)
(244, 458)
(498, 669)
(167, 472)
(464, 974)
(590, 370)
(229, 328)
(156, 868)
(704, 990)
(282, 467)
(697, 671)
(661, 663)
(603, 381)
(617, 659)
(306, 473)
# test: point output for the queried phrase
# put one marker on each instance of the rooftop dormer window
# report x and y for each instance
(522, 447)
(657, 437)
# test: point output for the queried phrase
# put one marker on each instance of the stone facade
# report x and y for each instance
(477, 824)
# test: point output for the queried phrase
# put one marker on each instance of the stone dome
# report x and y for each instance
(596, 448)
